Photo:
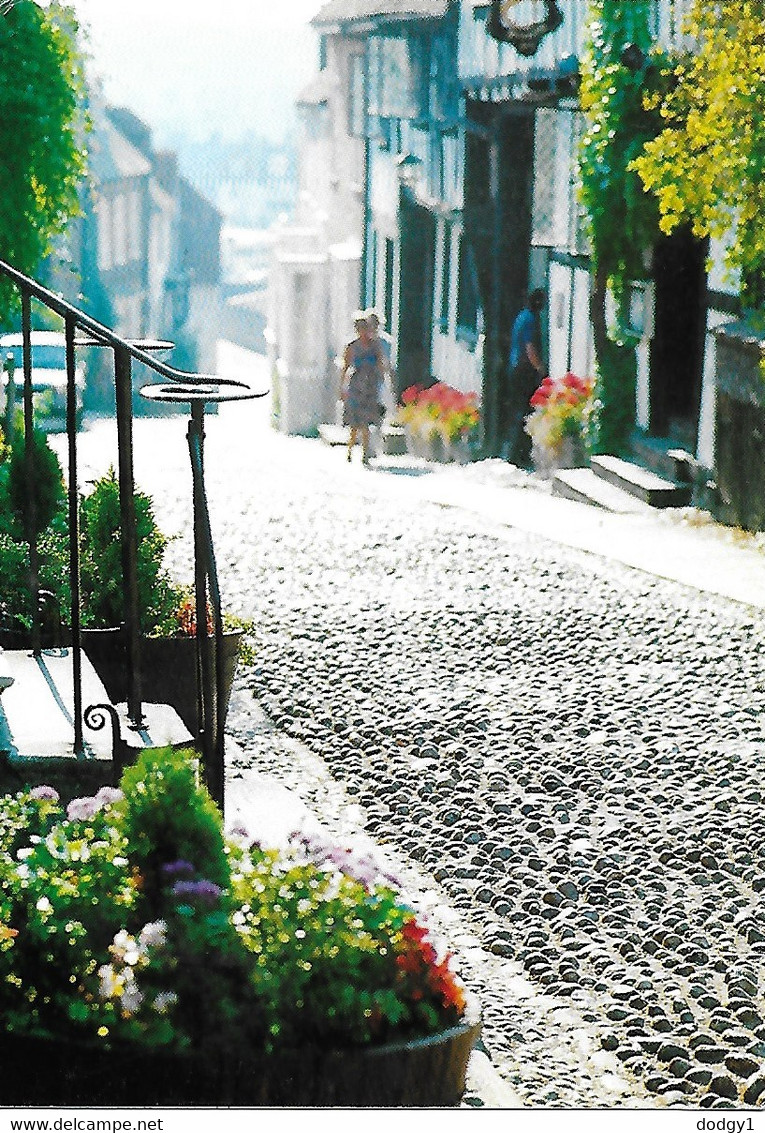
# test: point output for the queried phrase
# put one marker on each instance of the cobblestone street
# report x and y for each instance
(562, 755)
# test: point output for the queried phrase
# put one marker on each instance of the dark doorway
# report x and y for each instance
(677, 347)
(499, 175)
(415, 330)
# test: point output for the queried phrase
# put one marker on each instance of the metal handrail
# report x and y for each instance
(206, 583)
(124, 352)
(103, 333)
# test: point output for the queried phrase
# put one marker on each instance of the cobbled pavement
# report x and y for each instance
(562, 756)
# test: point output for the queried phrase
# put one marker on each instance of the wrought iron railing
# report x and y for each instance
(194, 390)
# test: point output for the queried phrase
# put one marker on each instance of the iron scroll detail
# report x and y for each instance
(524, 37)
(96, 717)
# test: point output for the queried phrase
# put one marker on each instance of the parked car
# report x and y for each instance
(49, 377)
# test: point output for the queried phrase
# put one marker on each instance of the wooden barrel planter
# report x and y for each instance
(420, 1073)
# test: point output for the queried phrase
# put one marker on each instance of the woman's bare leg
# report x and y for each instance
(351, 441)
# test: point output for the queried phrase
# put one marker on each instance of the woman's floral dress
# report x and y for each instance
(365, 373)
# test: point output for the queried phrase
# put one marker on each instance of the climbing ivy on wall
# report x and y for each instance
(619, 65)
(707, 164)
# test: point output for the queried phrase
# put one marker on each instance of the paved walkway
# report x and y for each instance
(412, 655)
(684, 545)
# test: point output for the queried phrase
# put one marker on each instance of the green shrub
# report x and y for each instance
(47, 479)
(169, 817)
(337, 956)
(16, 595)
(101, 559)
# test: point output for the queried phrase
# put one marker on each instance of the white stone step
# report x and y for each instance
(640, 482)
(37, 711)
(584, 486)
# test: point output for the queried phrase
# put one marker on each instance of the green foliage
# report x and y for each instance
(248, 949)
(615, 386)
(336, 960)
(16, 596)
(168, 816)
(707, 165)
(42, 156)
(52, 536)
(623, 218)
(101, 560)
(63, 887)
(47, 481)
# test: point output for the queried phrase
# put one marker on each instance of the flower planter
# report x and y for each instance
(459, 450)
(425, 1072)
(434, 447)
(570, 453)
(168, 669)
(417, 444)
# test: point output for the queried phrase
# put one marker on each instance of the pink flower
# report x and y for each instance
(45, 794)
(80, 810)
(108, 795)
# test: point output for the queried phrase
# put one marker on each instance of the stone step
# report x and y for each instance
(37, 712)
(640, 482)
(664, 457)
(333, 434)
(582, 485)
(392, 438)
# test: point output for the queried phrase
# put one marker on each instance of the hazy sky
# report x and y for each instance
(225, 65)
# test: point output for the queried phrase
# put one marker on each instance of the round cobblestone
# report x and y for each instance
(457, 689)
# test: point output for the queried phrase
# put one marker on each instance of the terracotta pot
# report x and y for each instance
(420, 1073)
(168, 669)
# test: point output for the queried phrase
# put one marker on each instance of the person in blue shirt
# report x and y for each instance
(527, 370)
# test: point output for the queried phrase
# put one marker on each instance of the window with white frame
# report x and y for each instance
(390, 77)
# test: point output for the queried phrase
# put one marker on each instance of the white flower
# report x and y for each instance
(153, 935)
(82, 809)
(107, 795)
(164, 1001)
(110, 984)
(44, 905)
(124, 948)
(131, 997)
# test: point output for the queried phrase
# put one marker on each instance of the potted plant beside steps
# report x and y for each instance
(147, 959)
(168, 648)
(558, 424)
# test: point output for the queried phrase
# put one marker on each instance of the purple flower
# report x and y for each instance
(359, 867)
(82, 809)
(45, 794)
(206, 892)
(178, 869)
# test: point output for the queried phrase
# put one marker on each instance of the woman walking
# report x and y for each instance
(360, 378)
